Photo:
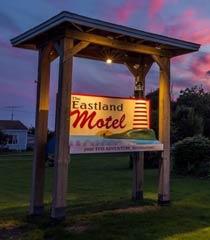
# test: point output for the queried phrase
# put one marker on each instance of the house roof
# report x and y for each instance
(12, 125)
(88, 29)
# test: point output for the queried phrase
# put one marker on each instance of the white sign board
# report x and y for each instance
(109, 124)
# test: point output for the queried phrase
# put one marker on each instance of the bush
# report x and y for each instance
(192, 156)
(152, 159)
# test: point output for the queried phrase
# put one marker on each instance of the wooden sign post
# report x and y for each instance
(139, 71)
(69, 35)
(42, 107)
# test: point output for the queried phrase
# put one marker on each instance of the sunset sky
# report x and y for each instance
(186, 20)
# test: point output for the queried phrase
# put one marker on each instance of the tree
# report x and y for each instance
(192, 156)
(194, 97)
(3, 140)
(185, 123)
(191, 115)
(31, 130)
(154, 97)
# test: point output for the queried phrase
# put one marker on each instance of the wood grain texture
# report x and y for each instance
(164, 129)
(42, 107)
(62, 129)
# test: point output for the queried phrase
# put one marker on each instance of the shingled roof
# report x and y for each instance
(12, 125)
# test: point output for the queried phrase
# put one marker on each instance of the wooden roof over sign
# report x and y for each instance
(103, 38)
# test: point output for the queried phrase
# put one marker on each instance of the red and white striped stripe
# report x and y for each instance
(141, 120)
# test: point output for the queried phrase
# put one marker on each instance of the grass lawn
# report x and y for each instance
(99, 205)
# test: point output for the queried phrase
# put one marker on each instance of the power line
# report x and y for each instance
(8, 108)
(12, 108)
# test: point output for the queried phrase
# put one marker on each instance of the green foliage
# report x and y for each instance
(31, 130)
(154, 121)
(35, 234)
(1, 134)
(206, 127)
(192, 156)
(186, 123)
(193, 96)
(3, 140)
(152, 159)
(154, 97)
(190, 115)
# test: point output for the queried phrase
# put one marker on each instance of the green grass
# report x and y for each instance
(99, 205)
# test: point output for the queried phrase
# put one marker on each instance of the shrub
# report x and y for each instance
(192, 156)
(152, 159)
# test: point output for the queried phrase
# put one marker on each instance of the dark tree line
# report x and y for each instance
(3, 140)
(190, 130)
(190, 113)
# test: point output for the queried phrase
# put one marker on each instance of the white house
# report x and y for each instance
(16, 133)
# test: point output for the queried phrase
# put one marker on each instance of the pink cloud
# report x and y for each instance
(188, 69)
(193, 71)
(125, 11)
(201, 65)
(190, 27)
(155, 6)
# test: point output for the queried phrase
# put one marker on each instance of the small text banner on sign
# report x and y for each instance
(98, 116)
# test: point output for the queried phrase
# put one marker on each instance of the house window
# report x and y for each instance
(12, 139)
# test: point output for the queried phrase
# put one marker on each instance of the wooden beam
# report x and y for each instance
(159, 61)
(90, 30)
(138, 157)
(62, 156)
(81, 45)
(57, 47)
(119, 36)
(147, 66)
(75, 50)
(28, 46)
(138, 176)
(96, 39)
(53, 55)
(118, 60)
(42, 107)
(139, 70)
(164, 130)
(77, 26)
(140, 67)
(131, 68)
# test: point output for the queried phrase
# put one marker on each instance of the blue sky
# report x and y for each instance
(187, 20)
